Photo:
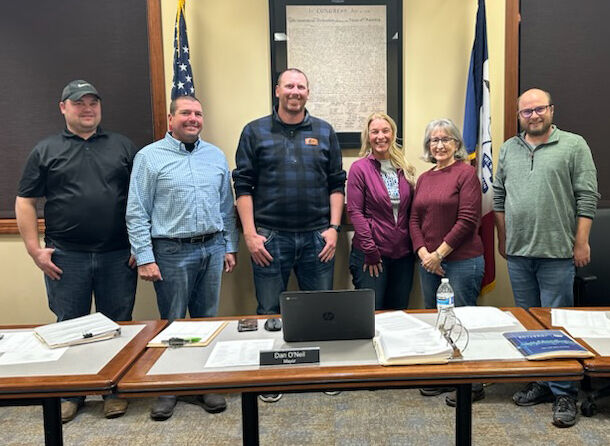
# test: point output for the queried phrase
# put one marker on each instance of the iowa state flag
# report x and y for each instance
(477, 138)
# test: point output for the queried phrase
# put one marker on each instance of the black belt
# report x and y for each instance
(195, 239)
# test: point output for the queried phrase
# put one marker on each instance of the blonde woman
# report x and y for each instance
(379, 195)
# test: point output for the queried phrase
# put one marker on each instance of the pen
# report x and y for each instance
(179, 342)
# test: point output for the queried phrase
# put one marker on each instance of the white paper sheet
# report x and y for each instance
(489, 346)
(582, 324)
(484, 318)
(23, 347)
(397, 321)
(188, 329)
(238, 353)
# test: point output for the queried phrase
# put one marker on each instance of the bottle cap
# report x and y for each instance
(444, 280)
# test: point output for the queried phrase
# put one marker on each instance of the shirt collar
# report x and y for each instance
(179, 145)
(306, 122)
(98, 132)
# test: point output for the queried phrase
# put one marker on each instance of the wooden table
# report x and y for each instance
(138, 383)
(47, 390)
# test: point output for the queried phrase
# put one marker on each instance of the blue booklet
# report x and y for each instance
(546, 344)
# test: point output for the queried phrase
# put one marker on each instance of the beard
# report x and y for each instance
(539, 131)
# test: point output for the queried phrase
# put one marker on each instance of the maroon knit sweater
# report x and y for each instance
(447, 207)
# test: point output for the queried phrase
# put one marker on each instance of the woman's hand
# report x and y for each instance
(374, 270)
(432, 263)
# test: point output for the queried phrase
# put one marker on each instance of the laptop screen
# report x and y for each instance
(327, 315)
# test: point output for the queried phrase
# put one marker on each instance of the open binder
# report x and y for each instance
(81, 330)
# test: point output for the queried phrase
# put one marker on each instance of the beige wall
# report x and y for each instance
(230, 58)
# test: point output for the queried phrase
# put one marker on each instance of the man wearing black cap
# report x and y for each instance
(83, 172)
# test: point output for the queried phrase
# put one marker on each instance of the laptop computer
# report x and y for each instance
(327, 315)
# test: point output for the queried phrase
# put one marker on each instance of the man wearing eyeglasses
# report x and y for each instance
(545, 197)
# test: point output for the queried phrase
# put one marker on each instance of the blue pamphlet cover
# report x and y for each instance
(546, 344)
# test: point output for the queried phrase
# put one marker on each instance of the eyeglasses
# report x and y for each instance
(528, 112)
(444, 141)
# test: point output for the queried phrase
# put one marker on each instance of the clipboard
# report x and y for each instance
(206, 330)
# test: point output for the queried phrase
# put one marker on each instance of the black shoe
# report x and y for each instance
(478, 393)
(213, 402)
(163, 408)
(434, 391)
(533, 393)
(270, 397)
(564, 411)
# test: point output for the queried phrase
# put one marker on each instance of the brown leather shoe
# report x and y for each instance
(115, 407)
(69, 410)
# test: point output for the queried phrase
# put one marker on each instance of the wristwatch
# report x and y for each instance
(336, 228)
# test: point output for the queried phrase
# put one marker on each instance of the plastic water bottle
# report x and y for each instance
(445, 304)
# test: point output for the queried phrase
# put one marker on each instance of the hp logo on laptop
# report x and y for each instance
(328, 316)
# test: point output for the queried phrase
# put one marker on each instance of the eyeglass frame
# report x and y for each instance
(433, 143)
(543, 110)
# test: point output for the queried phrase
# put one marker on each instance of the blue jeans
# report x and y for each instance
(290, 250)
(106, 275)
(539, 282)
(464, 276)
(392, 287)
(191, 275)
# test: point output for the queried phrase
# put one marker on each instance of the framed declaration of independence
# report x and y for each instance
(351, 52)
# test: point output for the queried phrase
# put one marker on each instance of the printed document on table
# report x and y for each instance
(483, 318)
(397, 321)
(489, 346)
(23, 347)
(582, 324)
(238, 353)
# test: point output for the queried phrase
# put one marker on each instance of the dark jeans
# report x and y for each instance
(290, 250)
(464, 276)
(191, 273)
(392, 287)
(106, 275)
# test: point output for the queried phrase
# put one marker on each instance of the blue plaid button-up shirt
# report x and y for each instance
(174, 193)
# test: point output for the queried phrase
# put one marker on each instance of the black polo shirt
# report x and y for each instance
(85, 183)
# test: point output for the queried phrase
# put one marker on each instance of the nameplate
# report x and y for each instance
(290, 356)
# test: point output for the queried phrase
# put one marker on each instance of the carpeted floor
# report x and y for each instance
(363, 418)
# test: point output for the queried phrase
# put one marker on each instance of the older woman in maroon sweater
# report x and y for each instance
(379, 193)
(445, 218)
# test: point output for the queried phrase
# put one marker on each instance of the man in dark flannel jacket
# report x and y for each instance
(289, 184)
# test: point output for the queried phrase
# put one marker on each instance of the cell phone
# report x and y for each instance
(247, 325)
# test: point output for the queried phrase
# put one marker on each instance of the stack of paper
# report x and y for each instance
(80, 330)
(582, 324)
(403, 339)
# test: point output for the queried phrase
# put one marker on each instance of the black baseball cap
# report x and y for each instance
(77, 89)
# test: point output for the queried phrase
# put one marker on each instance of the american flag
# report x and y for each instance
(477, 139)
(182, 84)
